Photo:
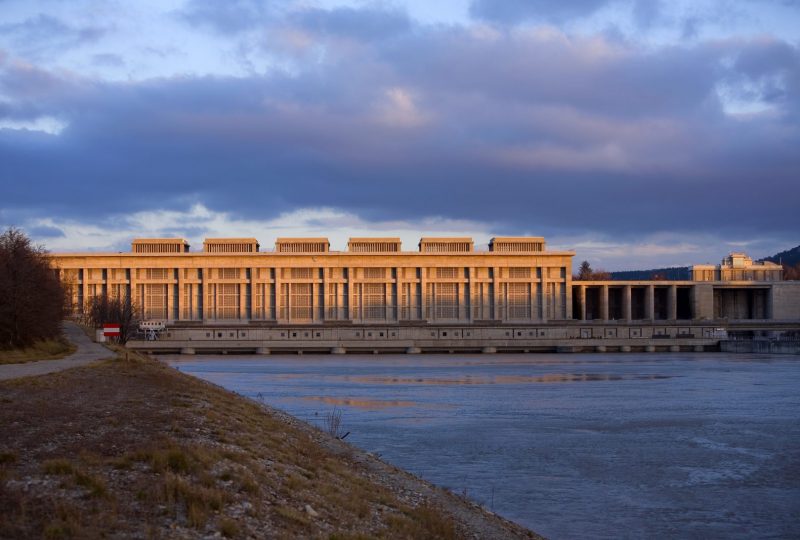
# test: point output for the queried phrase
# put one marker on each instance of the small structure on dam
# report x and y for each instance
(446, 296)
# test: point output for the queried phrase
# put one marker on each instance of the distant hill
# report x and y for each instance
(790, 257)
(675, 272)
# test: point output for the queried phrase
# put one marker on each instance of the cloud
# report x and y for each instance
(229, 16)
(516, 11)
(521, 129)
(108, 60)
(366, 24)
(38, 35)
(198, 222)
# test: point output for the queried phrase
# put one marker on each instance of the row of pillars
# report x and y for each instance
(649, 302)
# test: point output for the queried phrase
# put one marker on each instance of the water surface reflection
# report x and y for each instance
(647, 445)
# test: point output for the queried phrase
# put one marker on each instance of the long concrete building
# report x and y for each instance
(445, 295)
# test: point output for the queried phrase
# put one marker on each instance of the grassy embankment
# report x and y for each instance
(51, 349)
(136, 449)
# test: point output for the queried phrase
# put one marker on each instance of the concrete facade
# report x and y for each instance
(304, 282)
(446, 296)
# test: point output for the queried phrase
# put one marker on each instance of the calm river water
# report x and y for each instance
(572, 446)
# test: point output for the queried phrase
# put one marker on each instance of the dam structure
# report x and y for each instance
(444, 297)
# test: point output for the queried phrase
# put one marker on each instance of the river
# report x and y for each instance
(571, 446)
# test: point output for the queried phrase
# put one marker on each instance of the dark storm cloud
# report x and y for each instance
(515, 11)
(535, 131)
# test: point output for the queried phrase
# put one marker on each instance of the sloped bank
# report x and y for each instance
(134, 448)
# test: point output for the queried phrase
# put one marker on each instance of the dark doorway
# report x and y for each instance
(660, 301)
(638, 302)
(615, 300)
(593, 303)
(684, 299)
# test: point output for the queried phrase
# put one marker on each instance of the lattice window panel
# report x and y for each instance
(519, 300)
(374, 273)
(227, 301)
(519, 273)
(228, 273)
(331, 304)
(480, 301)
(157, 273)
(301, 300)
(446, 300)
(374, 300)
(447, 273)
(155, 301)
(303, 273)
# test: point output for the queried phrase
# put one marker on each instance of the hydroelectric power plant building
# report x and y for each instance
(375, 297)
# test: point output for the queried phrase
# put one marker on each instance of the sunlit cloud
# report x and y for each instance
(43, 124)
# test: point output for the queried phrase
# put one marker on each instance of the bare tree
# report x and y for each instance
(103, 310)
(31, 295)
(791, 273)
(585, 273)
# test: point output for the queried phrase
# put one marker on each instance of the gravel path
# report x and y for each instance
(87, 352)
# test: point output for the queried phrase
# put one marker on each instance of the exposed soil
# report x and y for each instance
(134, 449)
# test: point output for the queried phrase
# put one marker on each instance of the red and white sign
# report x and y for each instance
(111, 330)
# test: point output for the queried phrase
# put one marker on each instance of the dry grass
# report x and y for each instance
(102, 450)
(51, 349)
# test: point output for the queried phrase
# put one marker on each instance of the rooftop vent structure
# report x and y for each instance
(302, 245)
(159, 245)
(374, 245)
(516, 244)
(230, 245)
(462, 244)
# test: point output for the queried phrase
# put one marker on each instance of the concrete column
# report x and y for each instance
(583, 302)
(672, 303)
(423, 286)
(545, 296)
(470, 293)
(568, 308)
(626, 302)
(315, 302)
(650, 302)
(85, 290)
(604, 302)
(498, 297)
(181, 307)
(134, 293)
(242, 299)
(278, 300)
(168, 301)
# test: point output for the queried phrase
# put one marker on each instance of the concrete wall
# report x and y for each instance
(785, 300)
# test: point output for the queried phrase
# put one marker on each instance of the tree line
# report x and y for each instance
(33, 300)
(32, 297)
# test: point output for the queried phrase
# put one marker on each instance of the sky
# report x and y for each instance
(639, 133)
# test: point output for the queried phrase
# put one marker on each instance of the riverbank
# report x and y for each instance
(133, 448)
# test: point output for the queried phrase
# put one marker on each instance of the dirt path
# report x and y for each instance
(87, 352)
